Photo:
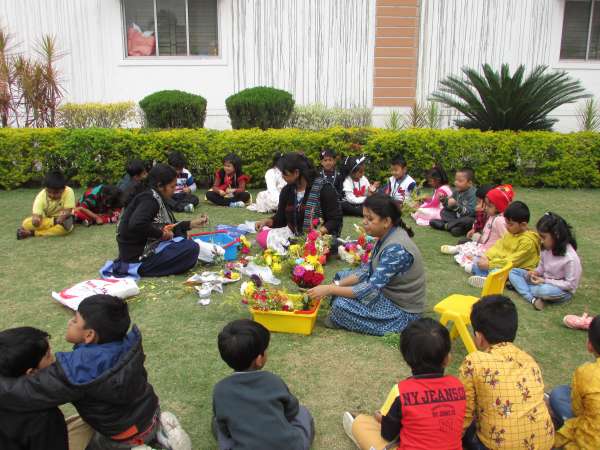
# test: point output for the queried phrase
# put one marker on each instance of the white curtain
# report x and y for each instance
(320, 50)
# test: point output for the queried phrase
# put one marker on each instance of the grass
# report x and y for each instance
(330, 371)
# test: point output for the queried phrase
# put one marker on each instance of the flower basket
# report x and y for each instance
(298, 322)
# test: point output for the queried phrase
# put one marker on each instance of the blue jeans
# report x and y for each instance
(560, 403)
(529, 291)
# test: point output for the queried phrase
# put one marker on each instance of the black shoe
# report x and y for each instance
(457, 231)
(463, 241)
(68, 223)
(437, 224)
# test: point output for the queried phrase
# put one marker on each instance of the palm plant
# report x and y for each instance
(501, 101)
(589, 116)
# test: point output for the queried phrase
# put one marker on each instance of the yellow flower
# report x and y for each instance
(276, 267)
(312, 260)
(247, 288)
(269, 260)
(244, 241)
(294, 250)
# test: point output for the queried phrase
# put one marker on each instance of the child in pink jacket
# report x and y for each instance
(496, 202)
(431, 208)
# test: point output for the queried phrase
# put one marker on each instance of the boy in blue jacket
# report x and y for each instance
(104, 377)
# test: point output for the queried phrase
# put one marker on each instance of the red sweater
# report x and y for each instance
(433, 411)
(230, 181)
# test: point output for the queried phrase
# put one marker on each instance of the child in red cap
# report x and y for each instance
(496, 202)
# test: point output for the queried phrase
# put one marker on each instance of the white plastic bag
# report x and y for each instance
(264, 272)
(278, 239)
(208, 251)
(119, 287)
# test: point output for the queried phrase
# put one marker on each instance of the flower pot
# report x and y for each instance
(299, 322)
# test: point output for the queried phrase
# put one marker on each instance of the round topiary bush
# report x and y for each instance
(174, 109)
(260, 107)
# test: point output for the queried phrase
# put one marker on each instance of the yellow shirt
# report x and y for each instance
(522, 250)
(505, 395)
(583, 430)
(46, 207)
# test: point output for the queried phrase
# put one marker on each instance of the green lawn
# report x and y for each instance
(330, 371)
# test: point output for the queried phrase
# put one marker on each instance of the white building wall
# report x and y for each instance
(321, 51)
(458, 33)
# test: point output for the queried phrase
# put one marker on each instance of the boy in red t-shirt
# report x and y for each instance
(425, 411)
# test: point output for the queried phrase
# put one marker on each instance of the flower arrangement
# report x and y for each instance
(357, 252)
(308, 269)
(261, 298)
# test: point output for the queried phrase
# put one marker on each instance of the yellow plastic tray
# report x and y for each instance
(287, 322)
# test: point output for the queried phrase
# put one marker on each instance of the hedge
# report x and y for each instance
(93, 155)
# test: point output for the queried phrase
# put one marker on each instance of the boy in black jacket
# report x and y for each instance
(24, 351)
(104, 377)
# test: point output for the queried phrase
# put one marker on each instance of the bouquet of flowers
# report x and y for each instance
(308, 269)
(259, 297)
(359, 251)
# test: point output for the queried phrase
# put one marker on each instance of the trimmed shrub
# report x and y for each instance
(98, 115)
(319, 117)
(528, 159)
(174, 109)
(259, 107)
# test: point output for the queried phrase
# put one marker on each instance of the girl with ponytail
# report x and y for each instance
(386, 294)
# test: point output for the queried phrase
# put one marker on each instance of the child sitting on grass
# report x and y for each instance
(229, 188)
(424, 411)
(503, 384)
(24, 351)
(133, 181)
(557, 276)
(267, 201)
(519, 246)
(52, 209)
(253, 408)
(480, 214)
(458, 213)
(400, 184)
(183, 199)
(104, 377)
(495, 203)
(329, 170)
(99, 205)
(576, 408)
(437, 179)
(356, 186)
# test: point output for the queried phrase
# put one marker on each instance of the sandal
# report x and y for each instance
(22, 233)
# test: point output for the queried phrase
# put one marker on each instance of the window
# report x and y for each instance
(581, 30)
(171, 27)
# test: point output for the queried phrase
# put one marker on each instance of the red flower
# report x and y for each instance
(245, 250)
(315, 222)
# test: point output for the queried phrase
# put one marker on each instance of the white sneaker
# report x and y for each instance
(476, 281)
(449, 249)
(347, 421)
(189, 208)
(172, 436)
(239, 204)
(468, 267)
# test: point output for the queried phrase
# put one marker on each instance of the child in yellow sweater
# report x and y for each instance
(519, 246)
(52, 209)
(576, 408)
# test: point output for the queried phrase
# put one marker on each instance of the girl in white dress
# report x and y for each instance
(267, 201)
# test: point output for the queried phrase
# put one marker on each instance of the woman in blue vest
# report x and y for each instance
(386, 294)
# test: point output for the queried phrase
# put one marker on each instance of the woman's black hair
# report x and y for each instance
(235, 161)
(384, 206)
(351, 165)
(438, 173)
(161, 175)
(112, 196)
(135, 167)
(561, 232)
(296, 161)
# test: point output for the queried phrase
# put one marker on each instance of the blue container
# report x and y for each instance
(222, 238)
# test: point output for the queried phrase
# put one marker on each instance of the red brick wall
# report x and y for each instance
(396, 52)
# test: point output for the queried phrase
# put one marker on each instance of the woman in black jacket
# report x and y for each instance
(306, 197)
(151, 243)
